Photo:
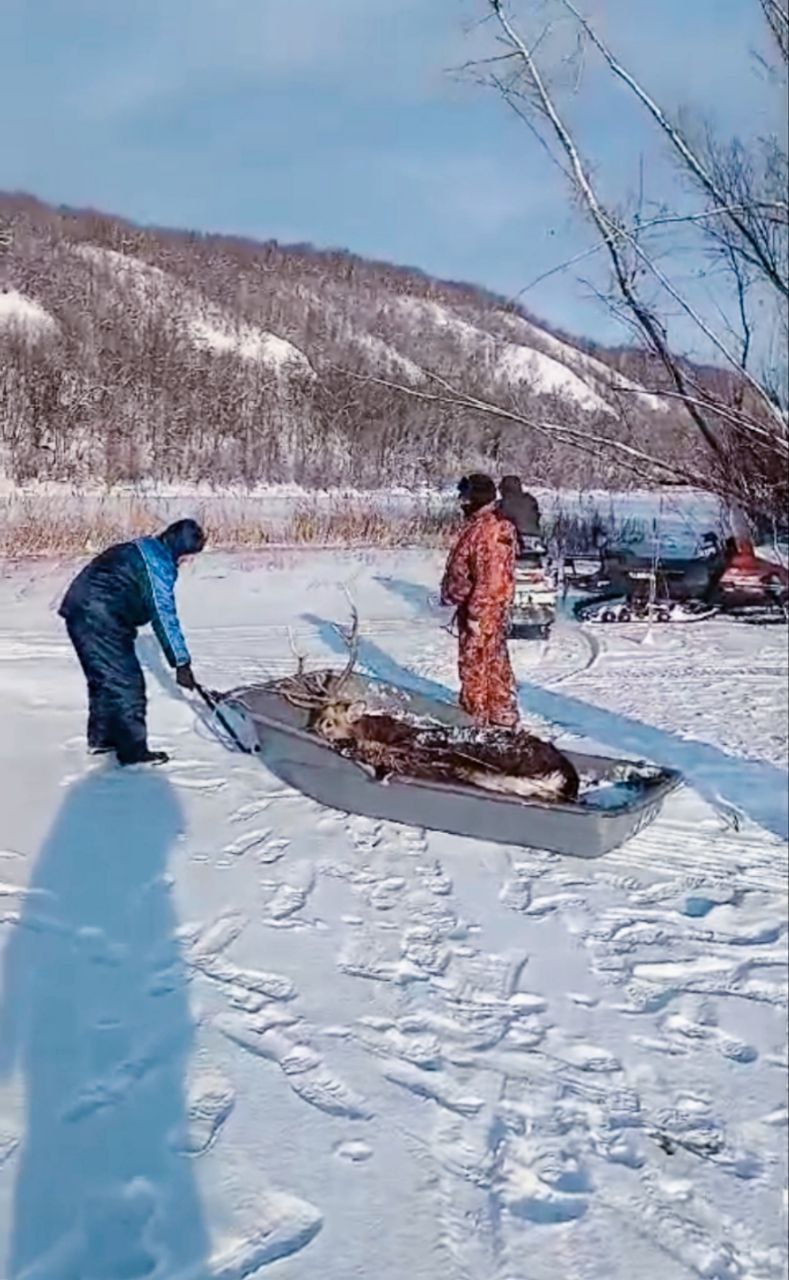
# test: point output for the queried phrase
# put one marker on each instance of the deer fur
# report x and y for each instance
(506, 761)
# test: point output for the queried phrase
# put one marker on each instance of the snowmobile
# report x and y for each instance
(751, 587)
(584, 572)
(729, 579)
(533, 609)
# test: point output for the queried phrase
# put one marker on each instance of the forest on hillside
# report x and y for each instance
(134, 353)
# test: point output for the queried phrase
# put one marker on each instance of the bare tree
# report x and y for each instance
(777, 18)
(738, 221)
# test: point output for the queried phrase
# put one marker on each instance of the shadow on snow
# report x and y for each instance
(94, 1012)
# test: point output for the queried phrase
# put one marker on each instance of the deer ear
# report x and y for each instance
(355, 710)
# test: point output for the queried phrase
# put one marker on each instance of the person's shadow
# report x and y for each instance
(94, 1012)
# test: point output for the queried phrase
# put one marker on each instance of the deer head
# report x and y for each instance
(323, 693)
(335, 721)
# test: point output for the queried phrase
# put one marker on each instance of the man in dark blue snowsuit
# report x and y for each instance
(124, 588)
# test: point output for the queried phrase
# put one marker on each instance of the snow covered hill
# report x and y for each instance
(140, 352)
(241, 1034)
(207, 326)
(23, 314)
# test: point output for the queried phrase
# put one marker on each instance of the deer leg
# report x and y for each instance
(545, 786)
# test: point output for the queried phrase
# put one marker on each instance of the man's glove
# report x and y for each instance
(184, 677)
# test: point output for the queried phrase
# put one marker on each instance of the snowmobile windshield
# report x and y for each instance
(184, 538)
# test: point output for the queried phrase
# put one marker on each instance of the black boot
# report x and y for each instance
(143, 757)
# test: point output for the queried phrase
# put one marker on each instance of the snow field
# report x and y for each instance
(242, 1034)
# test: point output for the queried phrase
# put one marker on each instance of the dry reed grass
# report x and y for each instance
(76, 524)
(80, 523)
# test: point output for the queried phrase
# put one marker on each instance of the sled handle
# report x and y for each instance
(213, 705)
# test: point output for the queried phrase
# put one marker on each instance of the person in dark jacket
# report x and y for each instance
(519, 507)
(124, 588)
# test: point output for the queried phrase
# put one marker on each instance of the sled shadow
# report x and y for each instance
(755, 788)
(94, 1013)
(412, 593)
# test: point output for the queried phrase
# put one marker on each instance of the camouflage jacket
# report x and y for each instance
(480, 573)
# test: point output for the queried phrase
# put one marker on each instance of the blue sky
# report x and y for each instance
(335, 121)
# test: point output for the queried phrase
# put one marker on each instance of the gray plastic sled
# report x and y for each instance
(611, 812)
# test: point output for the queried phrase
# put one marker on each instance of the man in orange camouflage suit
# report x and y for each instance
(479, 580)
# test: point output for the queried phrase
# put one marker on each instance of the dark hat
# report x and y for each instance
(477, 490)
(511, 484)
(183, 538)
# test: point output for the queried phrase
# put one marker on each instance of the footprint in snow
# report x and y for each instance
(272, 850)
(301, 1065)
(210, 1099)
(545, 1188)
(434, 879)
(517, 894)
(248, 841)
(379, 1037)
(412, 841)
(386, 893)
(354, 1152)
(204, 948)
(265, 1228)
(680, 1029)
(422, 946)
(288, 897)
(434, 1085)
(365, 834)
(285, 902)
(249, 811)
(587, 1057)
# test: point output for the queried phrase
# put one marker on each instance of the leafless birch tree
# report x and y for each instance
(734, 218)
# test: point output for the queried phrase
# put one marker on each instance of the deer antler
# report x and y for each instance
(351, 639)
(311, 690)
(301, 658)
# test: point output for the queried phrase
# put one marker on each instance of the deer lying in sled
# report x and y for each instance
(509, 761)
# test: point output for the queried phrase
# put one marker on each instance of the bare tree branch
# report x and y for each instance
(736, 414)
(611, 233)
(579, 437)
(777, 17)
(686, 152)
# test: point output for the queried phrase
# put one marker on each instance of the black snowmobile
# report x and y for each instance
(686, 589)
(640, 588)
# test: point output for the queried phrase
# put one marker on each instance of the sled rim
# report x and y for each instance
(667, 781)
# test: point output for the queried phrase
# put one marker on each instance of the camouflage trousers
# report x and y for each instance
(487, 683)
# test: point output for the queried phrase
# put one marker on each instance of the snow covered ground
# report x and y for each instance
(240, 1031)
